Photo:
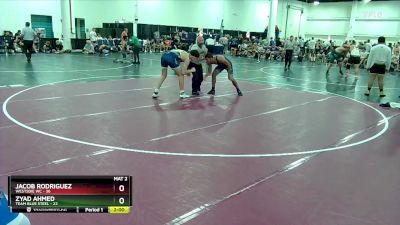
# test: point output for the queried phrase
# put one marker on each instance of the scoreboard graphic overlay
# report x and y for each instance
(70, 194)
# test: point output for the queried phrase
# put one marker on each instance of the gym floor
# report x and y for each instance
(297, 148)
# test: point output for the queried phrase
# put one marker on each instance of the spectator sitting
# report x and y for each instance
(234, 46)
(252, 52)
(151, 43)
(279, 43)
(18, 41)
(111, 44)
(17, 35)
(147, 45)
(176, 41)
(321, 56)
(117, 43)
(272, 42)
(89, 48)
(101, 46)
(47, 48)
(217, 43)
(167, 45)
(224, 41)
(243, 49)
(59, 48)
(156, 46)
(260, 51)
(9, 40)
(276, 53)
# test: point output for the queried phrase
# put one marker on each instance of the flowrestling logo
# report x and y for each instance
(372, 14)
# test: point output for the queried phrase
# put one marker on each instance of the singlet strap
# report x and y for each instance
(216, 58)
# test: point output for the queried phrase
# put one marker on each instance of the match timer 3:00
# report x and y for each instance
(80, 194)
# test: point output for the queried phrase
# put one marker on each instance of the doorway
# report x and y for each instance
(80, 28)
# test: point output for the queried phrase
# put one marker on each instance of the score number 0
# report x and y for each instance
(121, 200)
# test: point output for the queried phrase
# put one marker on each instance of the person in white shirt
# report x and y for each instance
(93, 36)
(146, 43)
(28, 35)
(89, 48)
(311, 49)
(301, 44)
(224, 41)
(368, 46)
(378, 63)
(289, 48)
(354, 59)
(210, 43)
(260, 52)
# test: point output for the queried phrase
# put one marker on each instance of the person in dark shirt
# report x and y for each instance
(9, 40)
(47, 47)
(136, 49)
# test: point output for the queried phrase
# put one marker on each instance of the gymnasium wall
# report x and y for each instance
(244, 15)
(291, 17)
(14, 13)
(372, 20)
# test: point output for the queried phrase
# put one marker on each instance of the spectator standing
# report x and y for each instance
(136, 49)
(93, 36)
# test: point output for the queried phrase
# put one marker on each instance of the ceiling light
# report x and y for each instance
(366, 1)
(316, 2)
